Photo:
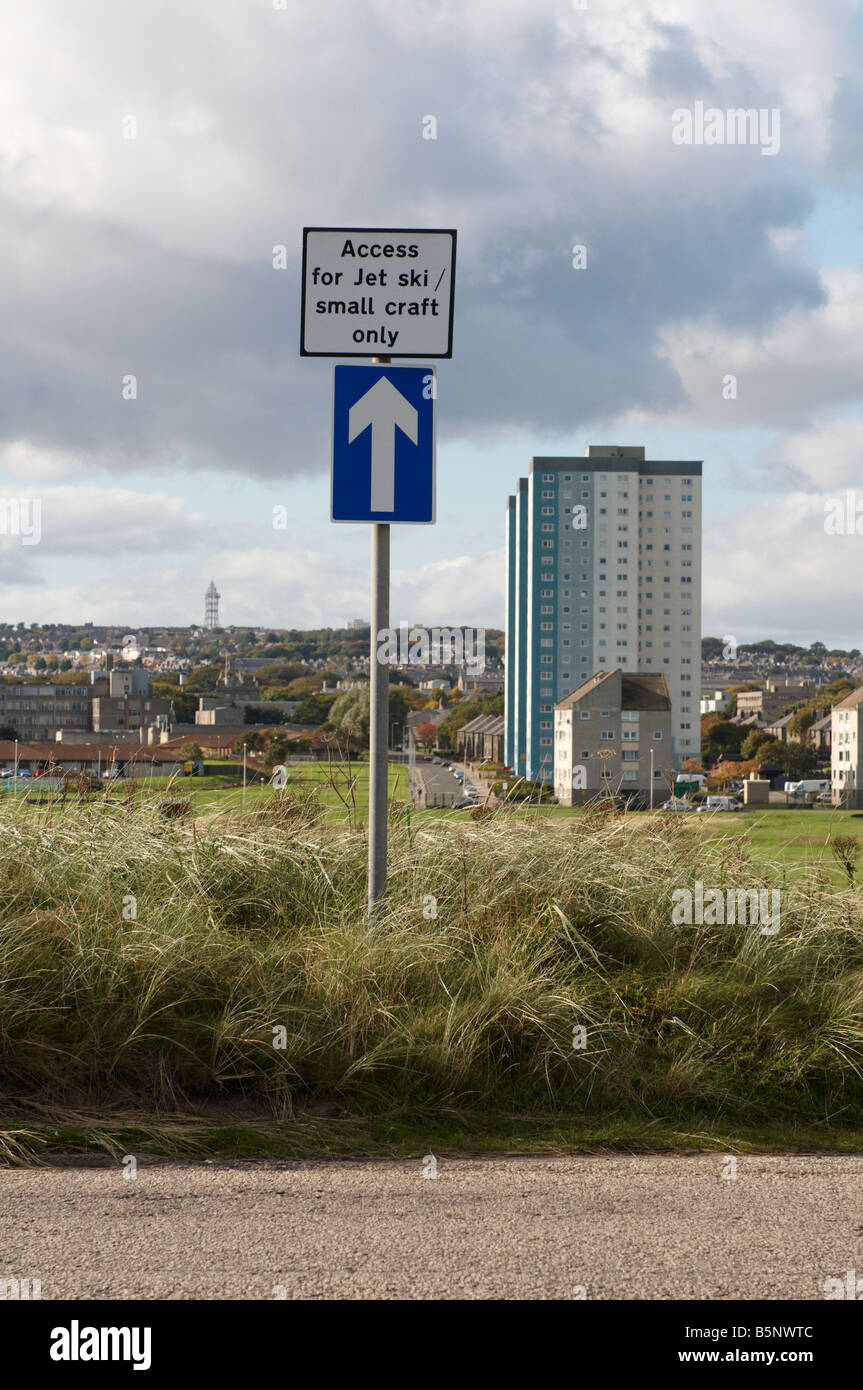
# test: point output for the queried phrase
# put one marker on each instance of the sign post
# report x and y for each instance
(379, 713)
(384, 293)
(383, 466)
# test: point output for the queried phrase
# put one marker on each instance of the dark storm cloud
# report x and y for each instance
(321, 120)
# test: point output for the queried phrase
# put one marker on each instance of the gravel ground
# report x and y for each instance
(594, 1226)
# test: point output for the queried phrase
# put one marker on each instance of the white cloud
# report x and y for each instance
(106, 523)
(463, 589)
(807, 359)
(828, 456)
(772, 571)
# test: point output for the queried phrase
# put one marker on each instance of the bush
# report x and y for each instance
(520, 789)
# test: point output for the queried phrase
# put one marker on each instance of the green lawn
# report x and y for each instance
(793, 839)
(342, 788)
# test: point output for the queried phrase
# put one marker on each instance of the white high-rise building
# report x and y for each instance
(603, 573)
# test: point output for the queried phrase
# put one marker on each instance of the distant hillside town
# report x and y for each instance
(79, 695)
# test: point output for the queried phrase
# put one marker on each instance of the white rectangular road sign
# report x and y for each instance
(377, 292)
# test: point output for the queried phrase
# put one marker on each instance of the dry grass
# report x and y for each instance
(246, 925)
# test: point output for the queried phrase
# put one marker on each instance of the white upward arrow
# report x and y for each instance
(384, 408)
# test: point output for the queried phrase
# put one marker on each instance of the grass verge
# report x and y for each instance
(526, 988)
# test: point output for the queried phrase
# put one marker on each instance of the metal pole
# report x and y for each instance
(379, 708)
(15, 778)
(244, 776)
(651, 779)
(412, 762)
(379, 686)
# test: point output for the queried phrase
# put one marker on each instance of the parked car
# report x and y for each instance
(24, 772)
(675, 805)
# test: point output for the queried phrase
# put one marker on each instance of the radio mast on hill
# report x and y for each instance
(211, 607)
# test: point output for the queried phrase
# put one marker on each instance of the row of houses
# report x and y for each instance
(129, 759)
(482, 739)
(818, 736)
(612, 735)
(60, 758)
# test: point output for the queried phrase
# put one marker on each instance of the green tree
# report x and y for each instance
(204, 681)
(314, 708)
(279, 748)
(254, 741)
(794, 759)
(462, 713)
(753, 742)
(720, 738)
(797, 760)
(348, 718)
(799, 722)
(263, 714)
(184, 705)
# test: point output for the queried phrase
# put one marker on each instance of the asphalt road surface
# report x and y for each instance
(439, 780)
(596, 1227)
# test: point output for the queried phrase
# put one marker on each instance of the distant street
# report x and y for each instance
(600, 1227)
(440, 781)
